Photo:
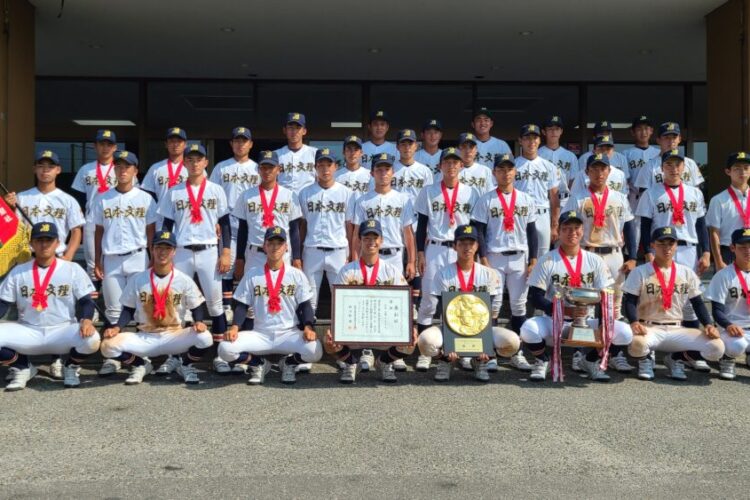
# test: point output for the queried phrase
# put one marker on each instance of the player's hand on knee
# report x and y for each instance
(711, 332)
(111, 332)
(232, 334)
(638, 328)
(483, 358)
(200, 326)
(452, 356)
(735, 331)
(87, 328)
(309, 334)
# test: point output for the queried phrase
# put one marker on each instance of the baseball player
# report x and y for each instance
(326, 209)
(429, 153)
(539, 178)
(378, 129)
(488, 147)
(729, 210)
(353, 175)
(464, 275)
(669, 139)
(193, 210)
(296, 159)
(553, 152)
(655, 297)
(236, 175)
(567, 265)
(616, 159)
(158, 299)
(368, 270)
(506, 218)
(730, 303)
(124, 218)
(618, 175)
(165, 174)
(474, 174)
(46, 291)
(409, 176)
(280, 295)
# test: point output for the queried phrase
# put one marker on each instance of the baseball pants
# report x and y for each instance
(436, 258)
(258, 343)
(38, 340)
(145, 344)
(315, 262)
(117, 270)
(506, 341)
(203, 263)
(89, 247)
(511, 270)
(675, 338)
(543, 231)
(734, 346)
(539, 329)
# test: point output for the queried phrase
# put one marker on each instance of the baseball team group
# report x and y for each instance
(248, 245)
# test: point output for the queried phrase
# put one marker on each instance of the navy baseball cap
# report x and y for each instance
(481, 111)
(669, 128)
(127, 157)
(176, 132)
(353, 139)
(554, 121)
(450, 153)
(641, 120)
(165, 237)
(46, 154)
(275, 232)
(602, 126)
(44, 230)
(382, 158)
(738, 157)
(466, 232)
(598, 158)
(570, 216)
(741, 235)
(504, 158)
(407, 135)
(379, 115)
(370, 227)
(603, 140)
(242, 132)
(529, 129)
(103, 135)
(297, 118)
(672, 153)
(664, 233)
(324, 154)
(432, 124)
(268, 157)
(467, 137)
(195, 149)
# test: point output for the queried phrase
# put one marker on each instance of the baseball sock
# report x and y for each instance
(692, 355)
(218, 327)
(347, 356)
(75, 357)
(226, 291)
(193, 355)
(516, 322)
(22, 362)
(416, 291)
(592, 355)
(7, 356)
(391, 355)
(242, 359)
(129, 359)
(538, 349)
(615, 350)
(254, 360)
(294, 359)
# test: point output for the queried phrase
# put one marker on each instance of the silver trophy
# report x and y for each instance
(579, 333)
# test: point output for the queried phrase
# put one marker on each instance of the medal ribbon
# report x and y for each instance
(373, 277)
(196, 201)
(102, 179)
(160, 299)
(508, 210)
(174, 176)
(599, 206)
(465, 287)
(268, 207)
(39, 297)
(450, 204)
(743, 284)
(666, 290)
(575, 276)
(678, 205)
(744, 213)
(274, 289)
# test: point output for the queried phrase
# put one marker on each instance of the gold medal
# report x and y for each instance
(39, 308)
(467, 315)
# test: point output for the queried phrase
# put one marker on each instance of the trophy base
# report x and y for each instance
(578, 336)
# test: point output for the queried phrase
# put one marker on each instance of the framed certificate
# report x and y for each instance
(371, 316)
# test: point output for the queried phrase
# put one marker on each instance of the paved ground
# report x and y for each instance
(417, 439)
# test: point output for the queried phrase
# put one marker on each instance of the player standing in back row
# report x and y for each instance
(296, 159)
(378, 129)
(488, 147)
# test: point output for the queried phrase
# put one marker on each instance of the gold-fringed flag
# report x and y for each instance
(14, 239)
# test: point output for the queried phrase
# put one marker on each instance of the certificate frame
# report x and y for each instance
(357, 311)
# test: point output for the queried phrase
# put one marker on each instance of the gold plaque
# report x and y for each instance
(467, 315)
(468, 345)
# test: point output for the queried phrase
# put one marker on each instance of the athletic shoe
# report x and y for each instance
(727, 369)
(539, 370)
(258, 373)
(492, 365)
(466, 365)
(620, 363)
(70, 375)
(348, 374)
(443, 371)
(189, 374)
(367, 360)
(287, 372)
(399, 365)
(303, 368)
(56, 369)
(646, 368)
(387, 371)
(239, 369)
(109, 367)
(423, 363)
(676, 367)
(575, 365)
(698, 365)
(591, 368)
(341, 365)
(221, 367)
(137, 373)
(169, 366)
(20, 377)
(519, 362)
(480, 371)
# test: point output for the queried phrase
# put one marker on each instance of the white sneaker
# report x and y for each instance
(137, 373)
(288, 375)
(575, 365)
(21, 377)
(676, 367)
(492, 365)
(169, 366)
(399, 365)
(591, 368)
(443, 371)
(189, 374)
(109, 367)
(480, 371)
(620, 363)
(239, 369)
(466, 364)
(221, 367)
(258, 373)
(367, 360)
(539, 370)
(699, 365)
(646, 368)
(70, 375)
(349, 373)
(341, 365)
(387, 371)
(303, 368)
(228, 314)
(519, 362)
(56, 369)
(727, 369)
(423, 363)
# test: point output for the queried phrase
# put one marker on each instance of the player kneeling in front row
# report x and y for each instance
(568, 265)
(46, 291)
(656, 295)
(464, 275)
(277, 293)
(369, 270)
(158, 298)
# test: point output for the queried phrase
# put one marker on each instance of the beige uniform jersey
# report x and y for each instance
(644, 283)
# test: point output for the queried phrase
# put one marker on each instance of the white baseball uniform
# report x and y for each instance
(351, 274)
(489, 149)
(411, 179)
(297, 167)
(725, 288)
(615, 180)
(537, 177)
(370, 150)
(156, 180)
(617, 160)
(723, 215)
(57, 207)
(565, 159)
(357, 180)
(431, 161)
(637, 159)
(652, 174)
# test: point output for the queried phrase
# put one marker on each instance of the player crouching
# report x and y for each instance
(277, 293)
(464, 275)
(158, 298)
(656, 295)
(46, 292)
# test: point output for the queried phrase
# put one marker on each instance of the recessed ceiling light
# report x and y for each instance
(525, 33)
(374, 50)
(104, 123)
(227, 29)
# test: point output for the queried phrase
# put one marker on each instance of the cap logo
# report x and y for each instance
(675, 152)
(370, 223)
(741, 155)
(433, 122)
(746, 232)
(555, 118)
(326, 151)
(277, 230)
(379, 113)
(468, 230)
(267, 154)
(295, 116)
(123, 154)
(667, 230)
(165, 235)
(44, 228)
(241, 130)
(383, 156)
(643, 117)
(605, 124)
(451, 150)
(407, 133)
(47, 154)
(572, 213)
(106, 133)
(599, 156)
(505, 157)
(670, 126)
(605, 138)
(194, 147)
(175, 130)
